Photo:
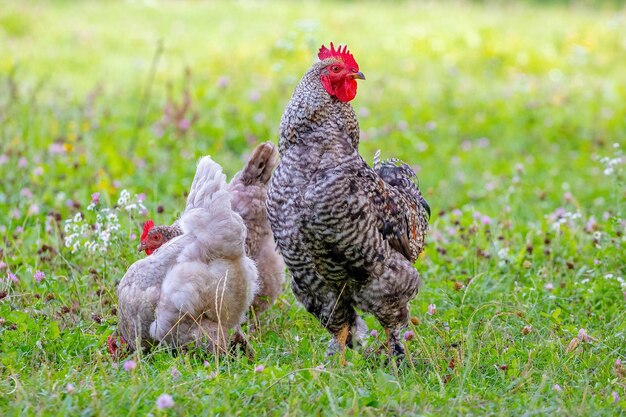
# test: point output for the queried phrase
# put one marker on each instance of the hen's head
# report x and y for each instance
(340, 72)
(151, 238)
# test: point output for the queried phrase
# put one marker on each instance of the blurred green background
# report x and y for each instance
(539, 83)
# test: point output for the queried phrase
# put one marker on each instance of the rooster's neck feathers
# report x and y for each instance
(311, 108)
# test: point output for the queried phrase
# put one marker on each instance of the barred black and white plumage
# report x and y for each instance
(399, 174)
(400, 228)
(348, 233)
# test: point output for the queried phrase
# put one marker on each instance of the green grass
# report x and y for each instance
(507, 111)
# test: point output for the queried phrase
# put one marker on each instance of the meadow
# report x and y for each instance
(513, 115)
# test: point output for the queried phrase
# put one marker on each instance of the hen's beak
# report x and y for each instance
(358, 75)
(141, 247)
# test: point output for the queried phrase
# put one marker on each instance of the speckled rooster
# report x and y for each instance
(348, 233)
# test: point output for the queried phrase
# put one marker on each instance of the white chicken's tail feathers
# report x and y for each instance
(219, 230)
(209, 217)
(208, 180)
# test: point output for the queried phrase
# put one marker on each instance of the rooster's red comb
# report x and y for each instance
(340, 54)
(146, 228)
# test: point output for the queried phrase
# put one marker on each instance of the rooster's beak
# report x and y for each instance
(358, 75)
(141, 247)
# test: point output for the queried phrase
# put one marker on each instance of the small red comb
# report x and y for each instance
(341, 54)
(146, 228)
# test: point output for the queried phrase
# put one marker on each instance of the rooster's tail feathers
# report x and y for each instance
(398, 174)
(377, 160)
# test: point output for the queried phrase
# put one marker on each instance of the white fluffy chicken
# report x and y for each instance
(198, 285)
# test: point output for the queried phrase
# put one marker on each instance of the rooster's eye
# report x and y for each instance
(335, 68)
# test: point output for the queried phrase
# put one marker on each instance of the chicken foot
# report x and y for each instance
(240, 340)
(394, 345)
(342, 339)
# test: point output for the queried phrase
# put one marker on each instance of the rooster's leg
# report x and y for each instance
(394, 344)
(342, 338)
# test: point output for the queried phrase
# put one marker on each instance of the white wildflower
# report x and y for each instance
(96, 232)
(123, 200)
